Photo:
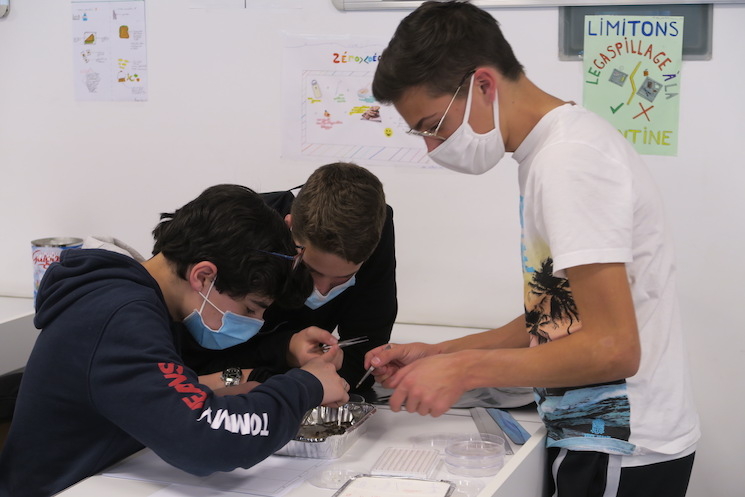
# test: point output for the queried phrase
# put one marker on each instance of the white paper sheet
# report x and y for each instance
(189, 491)
(270, 478)
(109, 50)
(391, 486)
(246, 4)
(328, 110)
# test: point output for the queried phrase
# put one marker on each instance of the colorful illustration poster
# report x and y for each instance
(246, 4)
(632, 77)
(109, 50)
(329, 112)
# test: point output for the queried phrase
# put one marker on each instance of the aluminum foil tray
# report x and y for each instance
(327, 432)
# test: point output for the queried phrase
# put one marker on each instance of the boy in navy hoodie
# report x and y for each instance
(106, 378)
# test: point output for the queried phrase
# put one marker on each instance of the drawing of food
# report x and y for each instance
(365, 95)
(123, 31)
(90, 38)
(372, 113)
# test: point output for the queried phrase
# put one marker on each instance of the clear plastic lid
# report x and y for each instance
(437, 440)
(485, 451)
(333, 476)
(474, 451)
(466, 487)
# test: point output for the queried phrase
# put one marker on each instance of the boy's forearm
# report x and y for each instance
(511, 335)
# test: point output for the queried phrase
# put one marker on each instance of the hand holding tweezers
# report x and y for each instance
(369, 370)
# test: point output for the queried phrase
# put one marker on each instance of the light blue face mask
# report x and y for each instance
(316, 299)
(235, 329)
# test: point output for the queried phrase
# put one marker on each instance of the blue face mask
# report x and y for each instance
(316, 299)
(235, 329)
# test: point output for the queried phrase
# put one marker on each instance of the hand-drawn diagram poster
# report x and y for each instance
(632, 77)
(329, 112)
(109, 50)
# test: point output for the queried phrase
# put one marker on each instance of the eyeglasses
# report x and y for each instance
(432, 132)
(296, 259)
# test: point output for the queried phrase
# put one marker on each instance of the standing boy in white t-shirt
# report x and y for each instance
(600, 339)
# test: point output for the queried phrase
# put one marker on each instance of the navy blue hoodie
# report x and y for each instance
(105, 379)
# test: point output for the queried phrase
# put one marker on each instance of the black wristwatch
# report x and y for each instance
(231, 376)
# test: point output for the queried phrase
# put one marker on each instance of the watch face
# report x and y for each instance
(232, 376)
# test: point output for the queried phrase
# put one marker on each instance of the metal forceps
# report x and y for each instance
(346, 343)
(369, 370)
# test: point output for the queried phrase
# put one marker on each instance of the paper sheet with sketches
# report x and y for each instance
(329, 112)
(109, 50)
(246, 4)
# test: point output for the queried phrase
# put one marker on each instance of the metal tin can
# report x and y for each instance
(45, 251)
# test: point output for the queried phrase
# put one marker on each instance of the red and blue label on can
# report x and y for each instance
(45, 251)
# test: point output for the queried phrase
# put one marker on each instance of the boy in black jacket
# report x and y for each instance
(341, 221)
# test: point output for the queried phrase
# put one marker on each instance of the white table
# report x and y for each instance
(17, 332)
(521, 476)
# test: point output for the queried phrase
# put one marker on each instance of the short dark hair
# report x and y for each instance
(232, 227)
(341, 210)
(437, 45)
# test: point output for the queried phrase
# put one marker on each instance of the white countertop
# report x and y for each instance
(386, 429)
(520, 476)
(17, 332)
(15, 307)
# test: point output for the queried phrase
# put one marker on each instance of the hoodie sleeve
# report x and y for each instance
(138, 382)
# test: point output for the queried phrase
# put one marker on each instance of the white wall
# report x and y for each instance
(213, 115)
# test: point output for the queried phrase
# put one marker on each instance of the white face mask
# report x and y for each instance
(317, 299)
(468, 152)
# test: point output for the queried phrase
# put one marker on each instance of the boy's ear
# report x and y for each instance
(201, 274)
(485, 80)
(288, 220)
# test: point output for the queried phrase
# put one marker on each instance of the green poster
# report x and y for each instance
(632, 77)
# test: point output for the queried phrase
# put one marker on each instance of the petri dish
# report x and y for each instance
(476, 457)
(437, 440)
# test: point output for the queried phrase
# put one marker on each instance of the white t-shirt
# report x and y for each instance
(586, 197)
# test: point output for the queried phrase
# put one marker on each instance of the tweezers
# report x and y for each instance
(369, 370)
(346, 343)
